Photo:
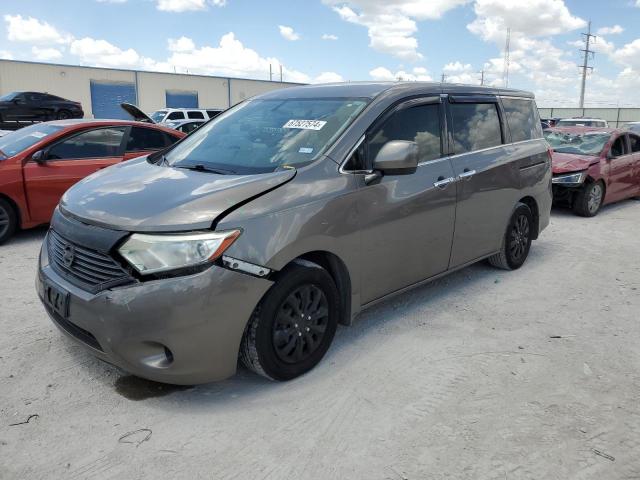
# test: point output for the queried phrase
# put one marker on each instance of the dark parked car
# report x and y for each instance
(593, 167)
(260, 232)
(40, 162)
(37, 107)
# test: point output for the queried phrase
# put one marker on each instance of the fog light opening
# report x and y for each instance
(157, 355)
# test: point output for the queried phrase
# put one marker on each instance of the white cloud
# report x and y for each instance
(46, 54)
(33, 31)
(187, 5)
(5, 54)
(384, 74)
(102, 53)
(629, 55)
(531, 18)
(391, 25)
(288, 33)
(231, 57)
(610, 30)
(456, 67)
(328, 77)
(328, 36)
(182, 44)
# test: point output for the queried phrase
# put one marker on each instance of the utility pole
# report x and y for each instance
(443, 78)
(280, 73)
(507, 47)
(270, 73)
(481, 72)
(585, 65)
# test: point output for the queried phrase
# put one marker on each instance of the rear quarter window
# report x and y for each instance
(475, 126)
(522, 119)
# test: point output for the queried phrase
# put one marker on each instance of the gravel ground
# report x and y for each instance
(460, 379)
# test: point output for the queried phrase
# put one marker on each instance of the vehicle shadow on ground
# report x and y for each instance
(560, 211)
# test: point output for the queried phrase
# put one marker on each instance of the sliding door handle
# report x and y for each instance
(466, 174)
(443, 182)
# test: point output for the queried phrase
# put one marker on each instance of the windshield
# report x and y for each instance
(580, 123)
(158, 116)
(260, 136)
(9, 96)
(15, 142)
(588, 143)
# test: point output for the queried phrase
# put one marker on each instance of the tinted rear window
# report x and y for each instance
(522, 118)
(197, 115)
(475, 126)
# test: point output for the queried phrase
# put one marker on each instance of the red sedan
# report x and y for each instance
(593, 167)
(40, 162)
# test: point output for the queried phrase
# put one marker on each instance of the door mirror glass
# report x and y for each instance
(397, 156)
(40, 157)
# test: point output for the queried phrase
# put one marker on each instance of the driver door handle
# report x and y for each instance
(467, 174)
(443, 182)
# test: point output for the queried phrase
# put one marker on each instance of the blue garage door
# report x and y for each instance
(106, 98)
(181, 99)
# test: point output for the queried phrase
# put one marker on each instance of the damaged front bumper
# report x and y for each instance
(181, 330)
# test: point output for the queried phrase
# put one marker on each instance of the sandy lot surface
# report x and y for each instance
(460, 379)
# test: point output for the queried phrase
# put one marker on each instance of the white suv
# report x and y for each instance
(170, 114)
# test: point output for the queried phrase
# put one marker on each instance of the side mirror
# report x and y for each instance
(397, 157)
(40, 157)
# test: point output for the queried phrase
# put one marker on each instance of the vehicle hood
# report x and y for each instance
(137, 114)
(570, 162)
(139, 196)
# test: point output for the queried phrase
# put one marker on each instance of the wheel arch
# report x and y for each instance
(535, 211)
(338, 271)
(15, 207)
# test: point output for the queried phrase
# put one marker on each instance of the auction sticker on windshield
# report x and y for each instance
(305, 124)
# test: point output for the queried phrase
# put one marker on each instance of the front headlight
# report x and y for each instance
(159, 253)
(570, 179)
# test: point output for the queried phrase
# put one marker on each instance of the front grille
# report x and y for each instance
(86, 268)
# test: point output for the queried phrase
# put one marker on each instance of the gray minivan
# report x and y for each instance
(288, 214)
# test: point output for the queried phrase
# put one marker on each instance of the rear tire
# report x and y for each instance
(293, 325)
(517, 240)
(8, 221)
(588, 200)
(64, 115)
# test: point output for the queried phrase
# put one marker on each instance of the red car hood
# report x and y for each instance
(570, 162)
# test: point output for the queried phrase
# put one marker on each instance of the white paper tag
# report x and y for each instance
(305, 150)
(305, 124)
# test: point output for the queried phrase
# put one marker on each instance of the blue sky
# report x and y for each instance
(363, 39)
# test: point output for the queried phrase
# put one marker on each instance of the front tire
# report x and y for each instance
(517, 240)
(588, 200)
(8, 221)
(293, 325)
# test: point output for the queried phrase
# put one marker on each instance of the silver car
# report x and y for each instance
(287, 215)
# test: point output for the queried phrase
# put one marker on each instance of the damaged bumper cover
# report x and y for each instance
(183, 330)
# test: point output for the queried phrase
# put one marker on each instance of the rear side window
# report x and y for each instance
(420, 124)
(147, 139)
(522, 119)
(175, 116)
(475, 126)
(100, 143)
(634, 141)
(213, 113)
(198, 115)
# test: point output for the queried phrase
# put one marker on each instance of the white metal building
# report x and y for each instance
(101, 90)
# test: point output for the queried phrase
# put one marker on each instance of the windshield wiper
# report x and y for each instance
(201, 167)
